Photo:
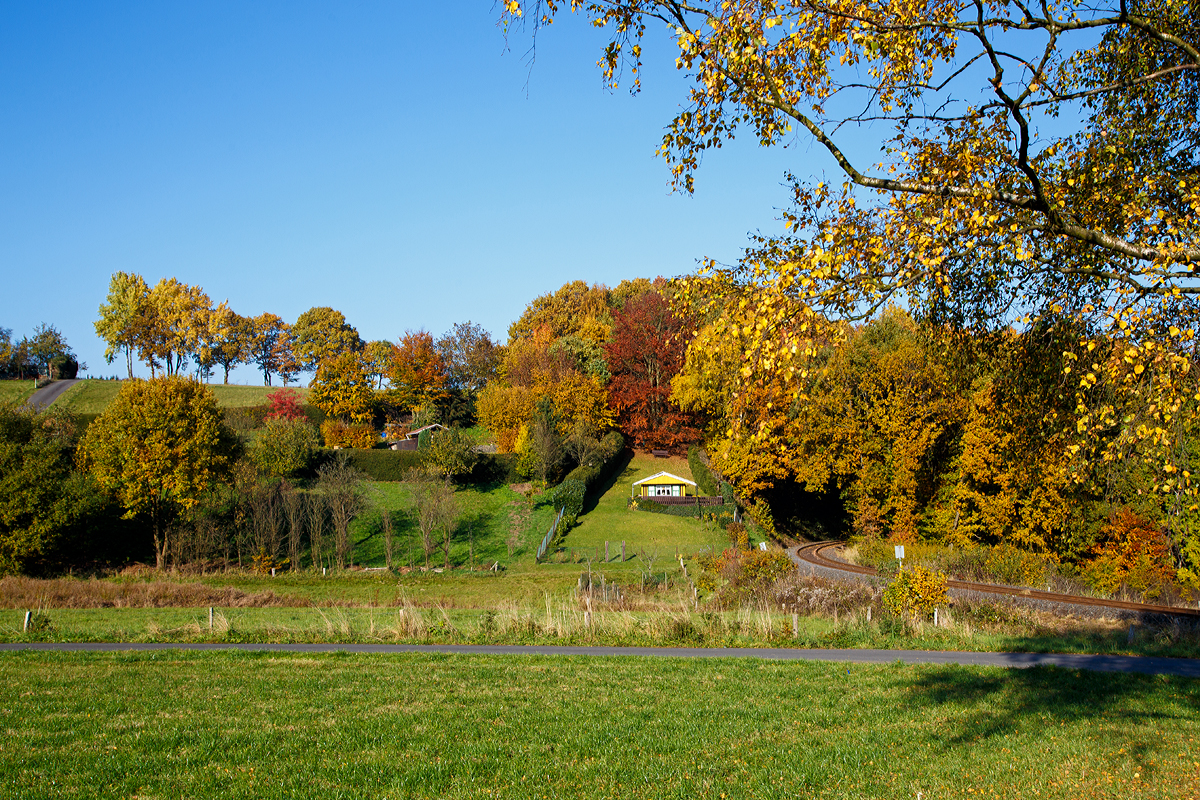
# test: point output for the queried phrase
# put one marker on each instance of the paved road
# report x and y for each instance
(1183, 667)
(43, 397)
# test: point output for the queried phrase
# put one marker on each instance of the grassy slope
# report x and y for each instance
(607, 519)
(416, 725)
(92, 397)
(15, 391)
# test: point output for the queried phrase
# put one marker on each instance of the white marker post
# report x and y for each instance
(900, 555)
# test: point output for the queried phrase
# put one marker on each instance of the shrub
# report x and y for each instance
(765, 566)
(1015, 566)
(285, 447)
(1135, 553)
(451, 452)
(423, 439)
(337, 433)
(915, 592)
(738, 536)
(284, 404)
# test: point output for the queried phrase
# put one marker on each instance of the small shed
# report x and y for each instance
(664, 484)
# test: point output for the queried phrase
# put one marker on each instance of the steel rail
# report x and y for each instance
(814, 554)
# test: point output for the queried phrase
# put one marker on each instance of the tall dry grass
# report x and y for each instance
(19, 592)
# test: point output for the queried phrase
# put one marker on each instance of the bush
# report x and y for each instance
(451, 452)
(284, 404)
(1135, 553)
(915, 592)
(341, 434)
(286, 446)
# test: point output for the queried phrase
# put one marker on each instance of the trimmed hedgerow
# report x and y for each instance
(701, 474)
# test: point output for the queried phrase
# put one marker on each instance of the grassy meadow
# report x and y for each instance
(93, 396)
(606, 517)
(15, 391)
(265, 725)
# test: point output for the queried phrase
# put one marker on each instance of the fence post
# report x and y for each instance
(795, 626)
(28, 617)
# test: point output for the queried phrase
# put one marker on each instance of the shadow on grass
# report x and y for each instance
(976, 706)
(619, 472)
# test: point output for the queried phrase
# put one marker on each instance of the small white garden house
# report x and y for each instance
(664, 484)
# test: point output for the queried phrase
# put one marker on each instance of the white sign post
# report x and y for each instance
(900, 555)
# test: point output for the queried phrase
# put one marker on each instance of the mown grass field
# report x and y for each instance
(606, 517)
(93, 396)
(171, 724)
(15, 391)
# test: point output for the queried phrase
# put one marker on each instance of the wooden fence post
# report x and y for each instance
(795, 626)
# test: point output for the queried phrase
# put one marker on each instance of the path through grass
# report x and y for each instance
(417, 726)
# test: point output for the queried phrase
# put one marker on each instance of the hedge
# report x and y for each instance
(570, 493)
(378, 465)
(701, 474)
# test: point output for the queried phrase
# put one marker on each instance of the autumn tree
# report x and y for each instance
(171, 325)
(342, 388)
(647, 350)
(159, 447)
(265, 333)
(319, 333)
(471, 357)
(229, 339)
(416, 372)
(378, 356)
(1036, 162)
(119, 316)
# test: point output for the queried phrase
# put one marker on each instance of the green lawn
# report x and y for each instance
(171, 724)
(15, 391)
(606, 518)
(93, 396)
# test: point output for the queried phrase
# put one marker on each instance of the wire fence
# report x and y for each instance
(545, 545)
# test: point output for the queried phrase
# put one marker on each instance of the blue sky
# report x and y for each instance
(392, 160)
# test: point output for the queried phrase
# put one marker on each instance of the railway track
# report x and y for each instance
(814, 554)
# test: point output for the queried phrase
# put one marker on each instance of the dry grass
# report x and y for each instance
(17, 592)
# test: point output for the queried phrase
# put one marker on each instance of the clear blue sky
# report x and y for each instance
(392, 160)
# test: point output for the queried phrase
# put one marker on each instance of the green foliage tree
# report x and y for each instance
(47, 347)
(159, 447)
(40, 495)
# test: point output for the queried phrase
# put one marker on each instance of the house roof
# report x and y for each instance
(675, 478)
(419, 431)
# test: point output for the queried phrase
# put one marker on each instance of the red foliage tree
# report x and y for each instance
(417, 372)
(647, 350)
(285, 404)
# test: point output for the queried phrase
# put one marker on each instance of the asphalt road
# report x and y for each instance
(1183, 667)
(43, 397)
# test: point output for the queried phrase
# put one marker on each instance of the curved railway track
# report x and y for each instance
(814, 554)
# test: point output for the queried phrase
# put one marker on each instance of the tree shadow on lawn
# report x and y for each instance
(620, 471)
(980, 705)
